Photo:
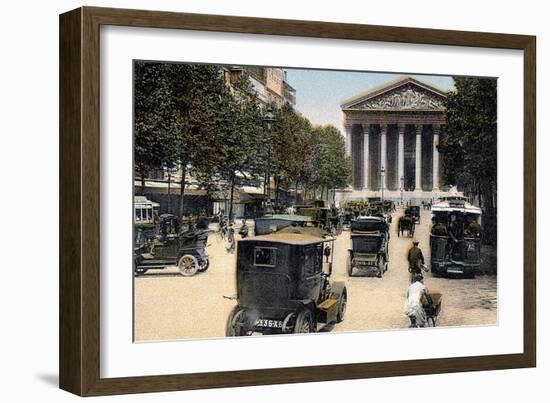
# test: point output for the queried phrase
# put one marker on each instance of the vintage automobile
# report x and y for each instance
(283, 286)
(457, 250)
(172, 245)
(320, 214)
(369, 246)
(273, 223)
(355, 208)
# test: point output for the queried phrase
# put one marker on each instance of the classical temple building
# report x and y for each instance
(392, 132)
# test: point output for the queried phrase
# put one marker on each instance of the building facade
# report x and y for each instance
(392, 133)
(268, 83)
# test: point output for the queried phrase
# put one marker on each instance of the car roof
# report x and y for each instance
(364, 218)
(286, 238)
(286, 217)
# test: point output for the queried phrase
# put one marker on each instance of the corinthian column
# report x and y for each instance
(366, 130)
(418, 159)
(435, 172)
(400, 154)
(348, 140)
(383, 153)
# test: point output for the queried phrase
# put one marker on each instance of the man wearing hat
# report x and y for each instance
(416, 260)
(413, 308)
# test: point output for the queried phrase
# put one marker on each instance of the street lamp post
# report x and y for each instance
(268, 118)
(382, 172)
(402, 185)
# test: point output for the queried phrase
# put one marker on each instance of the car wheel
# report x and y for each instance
(234, 326)
(304, 322)
(381, 267)
(350, 267)
(204, 264)
(342, 304)
(188, 265)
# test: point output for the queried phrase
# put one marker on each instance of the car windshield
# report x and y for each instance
(367, 225)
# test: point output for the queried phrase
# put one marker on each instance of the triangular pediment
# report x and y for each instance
(404, 94)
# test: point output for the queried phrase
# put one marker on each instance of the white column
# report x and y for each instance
(366, 130)
(400, 155)
(435, 171)
(383, 153)
(348, 140)
(418, 158)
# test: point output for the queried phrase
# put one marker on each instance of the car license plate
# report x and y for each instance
(455, 271)
(269, 323)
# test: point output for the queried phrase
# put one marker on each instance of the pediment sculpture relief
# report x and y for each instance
(408, 98)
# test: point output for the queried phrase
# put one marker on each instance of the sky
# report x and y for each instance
(320, 92)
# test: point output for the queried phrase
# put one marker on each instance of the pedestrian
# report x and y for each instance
(243, 231)
(413, 308)
(416, 260)
(326, 252)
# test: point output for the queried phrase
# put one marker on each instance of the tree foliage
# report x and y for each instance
(292, 143)
(187, 116)
(330, 165)
(468, 146)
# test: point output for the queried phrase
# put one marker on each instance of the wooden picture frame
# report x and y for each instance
(80, 195)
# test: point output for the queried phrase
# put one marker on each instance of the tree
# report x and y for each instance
(155, 124)
(240, 131)
(330, 165)
(203, 99)
(179, 110)
(468, 146)
(292, 143)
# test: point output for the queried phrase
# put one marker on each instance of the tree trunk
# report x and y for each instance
(169, 198)
(296, 194)
(182, 189)
(478, 189)
(229, 217)
(277, 184)
(142, 181)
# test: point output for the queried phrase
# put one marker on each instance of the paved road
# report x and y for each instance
(169, 306)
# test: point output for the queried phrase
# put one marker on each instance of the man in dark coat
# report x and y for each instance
(416, 259)
(439, 229)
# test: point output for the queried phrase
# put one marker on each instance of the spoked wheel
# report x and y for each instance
(236, 323)
(304, 322)
(188, 265)
(342, 304)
